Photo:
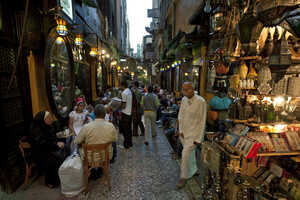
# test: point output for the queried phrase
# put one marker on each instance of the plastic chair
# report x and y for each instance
(93, 157)
(25, 146)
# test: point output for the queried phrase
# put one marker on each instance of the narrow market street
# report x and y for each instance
(141, 173)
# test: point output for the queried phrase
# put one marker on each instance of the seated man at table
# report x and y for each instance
(97, 132)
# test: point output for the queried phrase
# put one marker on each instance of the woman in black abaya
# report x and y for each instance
(48, 151)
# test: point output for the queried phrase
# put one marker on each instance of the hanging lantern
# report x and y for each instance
(78, 40)
(217, 19)
(93, 52)
(119, 68)
(61, 27)
(59, 40)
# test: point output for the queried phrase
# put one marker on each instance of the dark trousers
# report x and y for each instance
(114, 146)
(125, 129)
(137, 122)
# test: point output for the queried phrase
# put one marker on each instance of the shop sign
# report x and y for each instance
(67, 7)
(153, 13)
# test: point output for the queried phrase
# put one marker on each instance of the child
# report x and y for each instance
(90, 110)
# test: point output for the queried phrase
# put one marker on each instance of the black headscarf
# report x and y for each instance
(43, 135)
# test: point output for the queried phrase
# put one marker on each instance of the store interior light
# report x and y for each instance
(93, 52)
(61, 27)
(78, 40)
(102, 51)
(278, 101)
(113, 63)
(59, 40)
(107, 56)
(118, 68)
(186, 74)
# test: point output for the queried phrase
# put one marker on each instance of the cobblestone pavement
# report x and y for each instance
(143, 172)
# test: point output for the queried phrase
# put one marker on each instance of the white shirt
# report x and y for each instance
(78, 120)
(127, 98)
(192, 119)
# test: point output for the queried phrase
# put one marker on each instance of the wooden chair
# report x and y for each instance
(25, 146)
(96, 150)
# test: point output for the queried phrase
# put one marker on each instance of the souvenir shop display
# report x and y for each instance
(255, 154)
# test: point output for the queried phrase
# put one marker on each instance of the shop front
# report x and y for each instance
(249, 72)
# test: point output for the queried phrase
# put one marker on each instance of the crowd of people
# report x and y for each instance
(131, 111)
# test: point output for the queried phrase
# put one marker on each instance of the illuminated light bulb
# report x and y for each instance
(59, 40)
(78, 40)
(61, 27)
(93, 52)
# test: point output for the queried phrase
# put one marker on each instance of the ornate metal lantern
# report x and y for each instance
(61, 28)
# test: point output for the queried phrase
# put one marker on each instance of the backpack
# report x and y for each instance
(136, 106)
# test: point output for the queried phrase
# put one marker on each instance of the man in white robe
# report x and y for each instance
(192, 120)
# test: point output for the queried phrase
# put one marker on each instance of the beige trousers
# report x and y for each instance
(150, 126)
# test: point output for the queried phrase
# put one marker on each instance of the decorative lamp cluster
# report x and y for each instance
(61, 27)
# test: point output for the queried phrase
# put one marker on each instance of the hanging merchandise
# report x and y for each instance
(243, 70)
(220, 102)
(268, 48)
(252, 73)
(222, 69)
(285, 53)
(264, 75)
(234, 81)
(275, 56)
(293, 86)
(211, 77)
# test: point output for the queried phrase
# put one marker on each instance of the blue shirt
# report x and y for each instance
(93, 116)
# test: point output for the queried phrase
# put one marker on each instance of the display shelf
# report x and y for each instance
(250, 58)
(273, 124)
(249, 122)
(292, 153)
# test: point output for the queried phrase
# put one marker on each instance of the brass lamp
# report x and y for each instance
(59, 40)
(61, 27)
(78, 40)
(93, 52)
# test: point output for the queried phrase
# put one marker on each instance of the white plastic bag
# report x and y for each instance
(71, 174)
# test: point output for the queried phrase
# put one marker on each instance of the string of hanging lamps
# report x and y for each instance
(62, 31)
